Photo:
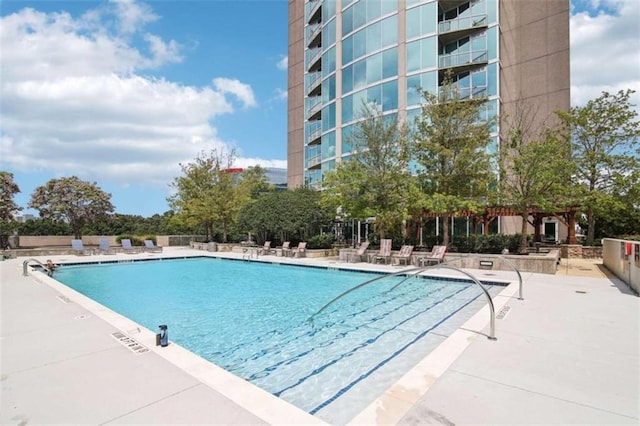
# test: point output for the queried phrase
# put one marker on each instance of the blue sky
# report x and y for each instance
(121, 92)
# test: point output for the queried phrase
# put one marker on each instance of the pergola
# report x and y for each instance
(567, 216)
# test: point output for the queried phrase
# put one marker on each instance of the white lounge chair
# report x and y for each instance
(105, 248)
(78, 248)
(404, 255)
(300, 251)
(384, 253)
(152, 248)
(359, 253)
(127, 247)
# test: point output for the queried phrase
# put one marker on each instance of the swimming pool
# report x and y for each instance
(253, 320)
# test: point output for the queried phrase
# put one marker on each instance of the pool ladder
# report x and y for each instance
(25, 266)
(418, 270)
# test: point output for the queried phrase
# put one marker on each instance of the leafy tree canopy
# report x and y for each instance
(8, 190)
(71, 200)
(604, 135)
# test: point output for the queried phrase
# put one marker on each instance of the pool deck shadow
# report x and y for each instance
(567, 353)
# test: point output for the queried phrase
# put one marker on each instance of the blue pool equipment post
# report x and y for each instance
(162, 338)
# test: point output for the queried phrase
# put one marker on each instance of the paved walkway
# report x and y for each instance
(567, 353)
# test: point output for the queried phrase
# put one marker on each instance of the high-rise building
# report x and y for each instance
(346, 52)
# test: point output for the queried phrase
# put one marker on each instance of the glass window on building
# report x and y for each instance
(328, 145)
(390, 95)
(329, 34)
(389, 63)
(329, 117)
(374, 68)
(347, 50)
(329, 89)
(374, 38)
(492, 42)
(359, 14)
(329, 62)
(389, 6)
(422, 54)
(374, 9)
(347, 109)
(492, 79)
(421, 20)
(347, 142)
(359, 74)
(389, 31)
(328, 10)
(347, 21)
(413, 90)
(347, 79)
(359, 44)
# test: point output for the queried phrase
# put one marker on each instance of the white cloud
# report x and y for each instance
(73, 99)
(605, 50)
(281, 94)
(283, 63)
(240, 90)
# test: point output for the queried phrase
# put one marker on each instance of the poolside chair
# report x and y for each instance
(436, 256)
(286, 248)
(78, 248)
(151, 248)
(300, 251)
(359, 253)
(384, 253)
(127, 247)
(105, 248)
(404, 255)
(266, 248)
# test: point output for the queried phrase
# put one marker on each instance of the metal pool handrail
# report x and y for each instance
(492, 327)
(25, 265)
(509, 262)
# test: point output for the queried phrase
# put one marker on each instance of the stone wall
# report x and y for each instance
(576, 251)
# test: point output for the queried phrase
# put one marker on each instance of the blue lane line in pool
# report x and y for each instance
(385, 361)
(365, 344)
(270, 350)
(299, 356)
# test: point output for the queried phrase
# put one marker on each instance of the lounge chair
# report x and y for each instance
(78, 248)
(105, 248)
(359, 253)
(384, 253)
(286, 248)
(151, 248)
(300, 251)
(127, 247)
(436, 256)
(265, 249)
(404, 255)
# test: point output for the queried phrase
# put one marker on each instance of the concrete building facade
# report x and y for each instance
(343, 53)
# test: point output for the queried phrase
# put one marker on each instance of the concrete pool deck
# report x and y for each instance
(567, 353)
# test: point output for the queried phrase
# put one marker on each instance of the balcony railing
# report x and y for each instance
(314, 161)
(472, 92)
(459, 24)
(460, 59)
(314, 107)
(311, 8)
(313, 31)
(313, 55)
(314, 132)
(313, 81)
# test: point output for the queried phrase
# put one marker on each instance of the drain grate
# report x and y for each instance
(133, 345)
(503, 312)
(63, 299)
(82, 316)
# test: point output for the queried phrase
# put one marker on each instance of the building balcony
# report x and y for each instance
(313, 83)
(314, 162)
(314, 109)
(461, 24)
(313, 11)
(314, 133)
(314, 57)
(473, 92)
(476, 57)
(313, 35)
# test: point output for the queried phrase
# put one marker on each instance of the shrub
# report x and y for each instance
(323, 241)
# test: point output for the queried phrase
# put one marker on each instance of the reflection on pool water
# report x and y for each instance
(253, 320)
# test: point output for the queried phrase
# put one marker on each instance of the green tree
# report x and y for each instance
(535, 167)
(451, 142)
(375, 181)
(210, 194)
(8, 190)
(604, 135)
(283, 216)
(72, 200)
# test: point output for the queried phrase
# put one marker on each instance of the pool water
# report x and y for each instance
(253, 319)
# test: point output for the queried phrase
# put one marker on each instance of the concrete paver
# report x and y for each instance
(567, 353)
